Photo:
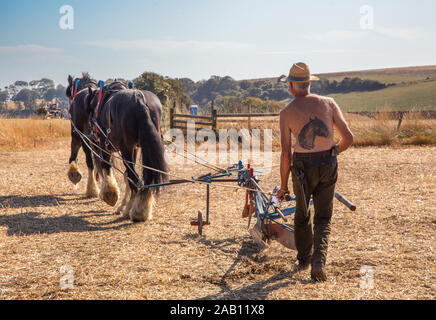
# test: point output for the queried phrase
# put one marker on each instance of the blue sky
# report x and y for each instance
(199, 38)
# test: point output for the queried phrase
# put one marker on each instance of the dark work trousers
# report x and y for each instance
(320, 176)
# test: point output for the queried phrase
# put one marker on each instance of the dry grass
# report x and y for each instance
(19, 134)
(379, 131)
(26, 134)
(45, 223)
(383, 131)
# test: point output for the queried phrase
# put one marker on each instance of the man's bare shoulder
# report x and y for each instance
(286, 109)
(326, 101)
(322, 98)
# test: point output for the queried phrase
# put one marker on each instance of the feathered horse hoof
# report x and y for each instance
(110, 192)
(142, 209)
(74, 173)
(92, 190)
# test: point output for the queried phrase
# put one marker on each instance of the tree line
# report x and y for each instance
(267, 95)
(347, 85)
(228, 94)
(29, 92)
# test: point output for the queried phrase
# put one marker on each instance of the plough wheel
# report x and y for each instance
(199, 223)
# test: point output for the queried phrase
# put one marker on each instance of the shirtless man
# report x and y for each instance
(311, 119)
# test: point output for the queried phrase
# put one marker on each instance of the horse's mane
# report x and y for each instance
(86, 81)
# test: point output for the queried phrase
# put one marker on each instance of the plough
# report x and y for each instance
(271, 218)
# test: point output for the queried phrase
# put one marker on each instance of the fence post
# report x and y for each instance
(400, 120)
(214, 120)
(249, 118)
(172, 110)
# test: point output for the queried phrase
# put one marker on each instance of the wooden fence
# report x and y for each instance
(180, 120)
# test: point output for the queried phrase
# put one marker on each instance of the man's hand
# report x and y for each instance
(282, 194)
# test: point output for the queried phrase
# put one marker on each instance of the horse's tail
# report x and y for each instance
(152, 149)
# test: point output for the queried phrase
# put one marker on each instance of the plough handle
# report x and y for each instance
(342, 199)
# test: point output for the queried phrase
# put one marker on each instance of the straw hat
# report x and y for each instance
(299, 72)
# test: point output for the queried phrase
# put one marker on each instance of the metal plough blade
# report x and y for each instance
(283, 234)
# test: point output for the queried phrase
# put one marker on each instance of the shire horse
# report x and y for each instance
(77, 92)
(129, 119)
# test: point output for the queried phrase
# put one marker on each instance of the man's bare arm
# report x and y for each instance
(341, 126)
(286, 156)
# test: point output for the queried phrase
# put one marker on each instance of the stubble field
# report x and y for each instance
(57, 244)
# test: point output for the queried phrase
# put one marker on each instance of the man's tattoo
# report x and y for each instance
(310, 131)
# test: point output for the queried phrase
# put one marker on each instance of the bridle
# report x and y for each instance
(76, 88)
(100, 94)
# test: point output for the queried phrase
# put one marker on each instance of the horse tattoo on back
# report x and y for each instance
(310, 131)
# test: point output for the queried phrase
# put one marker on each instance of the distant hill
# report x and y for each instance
(406, 88)
(386, 75)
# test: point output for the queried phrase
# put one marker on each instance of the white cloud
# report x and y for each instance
(333, 51)
(411, 33)
(334, 35)
(29, 49)
(402, 33)
(279, 52)
(160, 47)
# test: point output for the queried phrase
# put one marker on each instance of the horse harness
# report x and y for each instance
(103, 95)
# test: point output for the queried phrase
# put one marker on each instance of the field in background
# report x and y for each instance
(23, 134)
(409, 88)
(387, 75)
(412, 88)
(419, 95)
(381, 131)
